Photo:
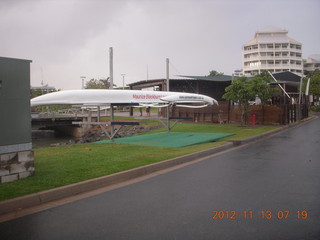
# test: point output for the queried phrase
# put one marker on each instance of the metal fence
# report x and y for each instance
(260, 114)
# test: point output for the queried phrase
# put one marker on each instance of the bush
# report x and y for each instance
(315, 108)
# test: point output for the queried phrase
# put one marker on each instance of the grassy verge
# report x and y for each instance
(65, 165)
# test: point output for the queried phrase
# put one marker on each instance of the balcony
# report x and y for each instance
(274, 49)
(251, 58)
(273, 66)
(248, 51)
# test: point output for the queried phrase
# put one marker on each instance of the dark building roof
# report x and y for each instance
(219, 78)
(15, 59)
(210, 86)
(287, 77)
(151, 82)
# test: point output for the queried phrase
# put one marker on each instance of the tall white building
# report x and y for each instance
(273, 50)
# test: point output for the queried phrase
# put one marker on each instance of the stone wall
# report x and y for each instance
(14, 166)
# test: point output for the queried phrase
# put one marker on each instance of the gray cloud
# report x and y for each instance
(68, 39)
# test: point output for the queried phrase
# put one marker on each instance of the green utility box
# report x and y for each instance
(15, 119)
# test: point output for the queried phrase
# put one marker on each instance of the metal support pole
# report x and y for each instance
(111, 66)
(168, 120)
(168, 88)
(98, 109)
(112, 119)
(300, 92)
(280, 85)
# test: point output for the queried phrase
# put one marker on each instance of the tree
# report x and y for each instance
(314, 88)
(214, 73)
(98, 84)
(240, 91)
(261, 88)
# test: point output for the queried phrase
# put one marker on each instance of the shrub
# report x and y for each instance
(315, 108)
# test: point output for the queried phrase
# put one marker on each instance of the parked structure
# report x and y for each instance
(210, 86)
(273, 50)
(16, 156)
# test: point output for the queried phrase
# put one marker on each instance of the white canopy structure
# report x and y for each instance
(96, 97)
(99, 97)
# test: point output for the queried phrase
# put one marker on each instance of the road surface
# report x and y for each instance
(266, 190)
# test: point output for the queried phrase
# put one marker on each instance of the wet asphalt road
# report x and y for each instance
(266, 190)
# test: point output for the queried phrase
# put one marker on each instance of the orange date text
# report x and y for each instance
(262, 214)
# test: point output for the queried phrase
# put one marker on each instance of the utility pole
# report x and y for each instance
(111, 66)
(147, 72)
(167, 74)
(168, 110)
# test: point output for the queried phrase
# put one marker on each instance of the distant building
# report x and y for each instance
(272, 50)
(238, 73)
(311, 64)
(44, 88)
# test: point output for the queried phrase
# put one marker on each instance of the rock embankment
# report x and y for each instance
(95, 134)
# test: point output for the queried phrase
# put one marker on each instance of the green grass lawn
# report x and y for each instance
(60, 166)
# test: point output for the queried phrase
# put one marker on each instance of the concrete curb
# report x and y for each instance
(43, 197)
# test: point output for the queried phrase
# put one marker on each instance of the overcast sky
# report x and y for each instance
(66, 39)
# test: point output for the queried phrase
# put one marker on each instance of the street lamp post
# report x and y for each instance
(123, 80)
(83, 78)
